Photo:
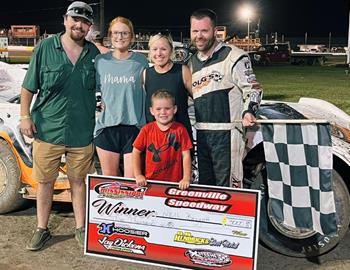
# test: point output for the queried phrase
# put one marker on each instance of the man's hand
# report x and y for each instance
(141, 180)
(248, 120)
(184, 184)
(27, 127)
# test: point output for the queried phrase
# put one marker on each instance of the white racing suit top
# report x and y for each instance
(225, 88)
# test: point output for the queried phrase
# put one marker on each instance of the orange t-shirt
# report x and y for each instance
(163, 150)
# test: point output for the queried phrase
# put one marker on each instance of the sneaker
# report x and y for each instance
(80, 236)
(39, 238)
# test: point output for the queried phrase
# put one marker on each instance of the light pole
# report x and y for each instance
(248, 23)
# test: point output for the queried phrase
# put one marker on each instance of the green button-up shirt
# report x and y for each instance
(64, 109)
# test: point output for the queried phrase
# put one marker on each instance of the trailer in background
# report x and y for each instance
(316, 58)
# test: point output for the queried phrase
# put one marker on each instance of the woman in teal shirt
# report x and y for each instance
(119, 78)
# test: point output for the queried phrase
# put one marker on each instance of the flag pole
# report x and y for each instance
(291, 121)
(233, 124)
(286, 121)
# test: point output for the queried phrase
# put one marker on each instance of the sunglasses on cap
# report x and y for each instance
(81, 11)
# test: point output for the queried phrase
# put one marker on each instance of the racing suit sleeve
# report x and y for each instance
(245, 79)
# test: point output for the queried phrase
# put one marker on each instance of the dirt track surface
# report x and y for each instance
(62, 251)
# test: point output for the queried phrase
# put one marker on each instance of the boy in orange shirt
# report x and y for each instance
(166, 143)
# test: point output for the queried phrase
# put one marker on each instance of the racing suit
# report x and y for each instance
(224, 89)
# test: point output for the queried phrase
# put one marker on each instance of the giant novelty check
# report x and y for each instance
(204, 227)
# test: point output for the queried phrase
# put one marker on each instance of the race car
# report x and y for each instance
(17, 185)
(279, 237)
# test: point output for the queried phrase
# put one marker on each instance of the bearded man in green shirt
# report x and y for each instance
(62, 119)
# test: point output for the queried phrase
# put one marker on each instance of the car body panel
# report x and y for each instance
(11, 77)
(312, 108)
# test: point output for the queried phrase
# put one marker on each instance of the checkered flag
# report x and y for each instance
(299, 174)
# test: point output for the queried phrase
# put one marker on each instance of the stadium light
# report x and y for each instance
(247, 12)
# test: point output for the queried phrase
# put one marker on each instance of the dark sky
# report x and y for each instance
(291, 18)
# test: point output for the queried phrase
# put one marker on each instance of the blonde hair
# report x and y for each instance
(125, 21)
(163, 94)
(157, 37)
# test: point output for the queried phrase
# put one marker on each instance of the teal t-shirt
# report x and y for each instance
(120, 83)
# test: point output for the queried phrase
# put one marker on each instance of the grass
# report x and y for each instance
(289, 83)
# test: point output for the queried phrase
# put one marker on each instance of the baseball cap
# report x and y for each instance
(80, 9)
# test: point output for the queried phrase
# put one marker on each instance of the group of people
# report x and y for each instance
(143, 119)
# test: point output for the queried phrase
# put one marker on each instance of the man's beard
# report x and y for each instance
(77, 36)
(208, 46)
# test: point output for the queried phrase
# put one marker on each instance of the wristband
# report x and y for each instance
(22, 117)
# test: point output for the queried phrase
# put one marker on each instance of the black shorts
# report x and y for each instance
(118, 139)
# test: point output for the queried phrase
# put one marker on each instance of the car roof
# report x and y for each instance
(11, 78)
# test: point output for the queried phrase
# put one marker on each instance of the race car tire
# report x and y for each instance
(312, 245)
(10, 182)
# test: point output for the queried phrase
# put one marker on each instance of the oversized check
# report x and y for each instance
(203, 227)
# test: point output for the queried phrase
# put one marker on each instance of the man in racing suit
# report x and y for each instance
(226, 98)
